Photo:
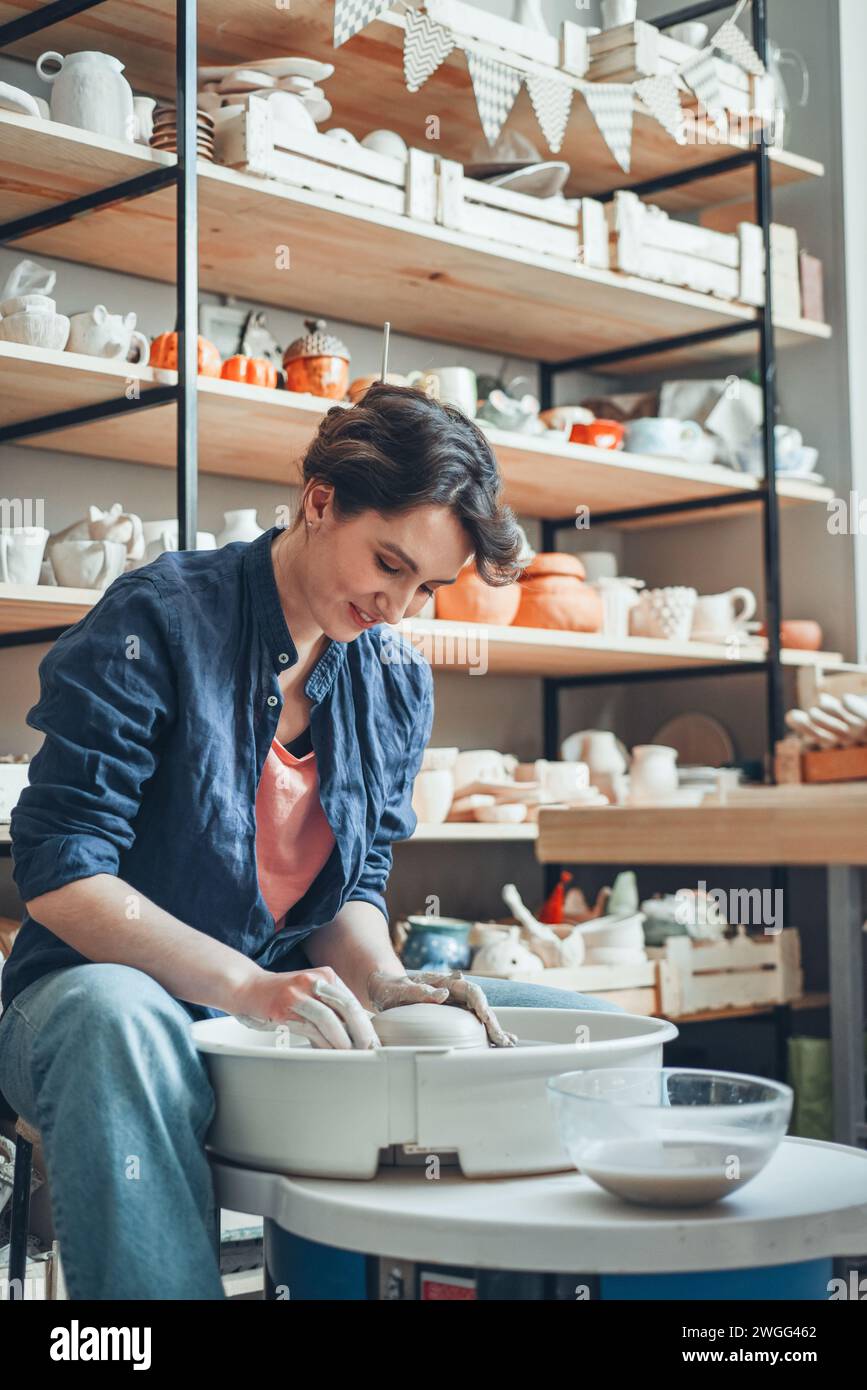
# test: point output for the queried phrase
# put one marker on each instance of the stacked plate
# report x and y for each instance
(165, 132)
(233, 86)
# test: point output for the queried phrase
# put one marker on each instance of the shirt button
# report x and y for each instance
(283, 657)
(272, 700)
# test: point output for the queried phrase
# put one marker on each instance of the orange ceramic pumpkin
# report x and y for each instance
(253, 371)
(471, 600)
(164, 353)
(553, 595)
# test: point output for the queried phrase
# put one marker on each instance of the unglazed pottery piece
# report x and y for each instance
(429, 1025)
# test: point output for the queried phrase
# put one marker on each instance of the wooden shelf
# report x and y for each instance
(27, 606)
(248, 432)
(436, 283)
(472, 832)
(368, 89)
(527, 651)
(762, 826)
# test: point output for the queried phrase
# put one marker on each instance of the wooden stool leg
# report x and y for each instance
(20, 1216)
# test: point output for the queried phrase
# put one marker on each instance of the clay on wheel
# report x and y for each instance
(429, 1025)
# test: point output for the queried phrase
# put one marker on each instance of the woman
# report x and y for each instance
(231, 740)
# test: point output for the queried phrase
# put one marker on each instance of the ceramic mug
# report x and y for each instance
(601, 434)
(454, 385)
(658, 435)
(619, 597)
(21, 551)
(598, 564)
(718, 615)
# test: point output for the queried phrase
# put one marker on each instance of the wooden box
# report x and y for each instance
(786, 268)
(646, 241)
(702, 976)
(572, 229)
(259, 142)
(834, 765)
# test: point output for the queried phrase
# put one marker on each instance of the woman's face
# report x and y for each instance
(372, 569)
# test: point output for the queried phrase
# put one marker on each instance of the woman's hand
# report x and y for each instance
(435, 987)
(316, 1003)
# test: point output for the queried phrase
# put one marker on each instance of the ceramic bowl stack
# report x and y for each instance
(291, 84)
(165, 131)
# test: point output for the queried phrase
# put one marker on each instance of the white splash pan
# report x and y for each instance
(325, 1113)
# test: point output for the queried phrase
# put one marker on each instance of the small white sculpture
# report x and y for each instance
(113, 525)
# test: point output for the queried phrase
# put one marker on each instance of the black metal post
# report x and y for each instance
(768, 375)
(187, 253)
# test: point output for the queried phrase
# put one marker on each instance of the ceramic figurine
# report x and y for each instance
(98, 333)
(506, 957)
(113, 525)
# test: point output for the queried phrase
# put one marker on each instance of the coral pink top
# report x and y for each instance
(293, 837)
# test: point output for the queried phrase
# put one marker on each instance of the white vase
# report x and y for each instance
(653, 773)
(240, 526)
(90, 92)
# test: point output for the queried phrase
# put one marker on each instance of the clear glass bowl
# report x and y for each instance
(669, 1136)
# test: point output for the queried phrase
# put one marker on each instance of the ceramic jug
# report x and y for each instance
(653, 773)
(90, 92)
(240, 525)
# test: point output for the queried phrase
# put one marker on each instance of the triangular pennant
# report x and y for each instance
(729, 39)
(496, 87)
(662, 99)
(552, 102)
(426, 44)
(611, 107)
(701, 75)
(352, 15)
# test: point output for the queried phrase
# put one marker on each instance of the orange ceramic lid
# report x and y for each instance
(553, 562)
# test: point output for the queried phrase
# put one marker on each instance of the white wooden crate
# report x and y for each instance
(700, 976)
(573, 229)
(647, 242)
(259, 142)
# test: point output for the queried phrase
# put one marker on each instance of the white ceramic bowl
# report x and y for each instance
(87, 564)
(504, 813)
(386, 142)
(36, 328)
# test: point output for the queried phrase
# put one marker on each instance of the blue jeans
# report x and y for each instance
(100, 1059)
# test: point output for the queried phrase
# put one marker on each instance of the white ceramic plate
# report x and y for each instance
(538, 180)
(276, 67)
(245, 80)
(14, 99)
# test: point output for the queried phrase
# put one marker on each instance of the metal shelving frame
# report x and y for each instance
(183, 175)
(765, 496)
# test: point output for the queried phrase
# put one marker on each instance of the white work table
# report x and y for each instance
(810, 1202)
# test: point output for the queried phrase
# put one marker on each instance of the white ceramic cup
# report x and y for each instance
(21, 552)
(454, 385)
(692, 32)
(717, 615)
(562, 779)
(598, 564)
(617, 12)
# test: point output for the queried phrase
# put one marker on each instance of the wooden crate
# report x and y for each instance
(640, 50)
(259, 142)
(573, 229)
(646, 241)
(699, 976)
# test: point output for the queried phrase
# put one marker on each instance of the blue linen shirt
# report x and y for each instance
(158, 710)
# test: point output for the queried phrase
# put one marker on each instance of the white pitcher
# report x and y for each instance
(89, 92)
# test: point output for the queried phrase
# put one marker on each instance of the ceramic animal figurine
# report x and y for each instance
(507, 956)
(98, 333)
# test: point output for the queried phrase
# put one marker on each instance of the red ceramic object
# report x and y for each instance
(471, 600)
(602, 434)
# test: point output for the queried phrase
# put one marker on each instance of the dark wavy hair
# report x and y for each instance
(397, 449)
